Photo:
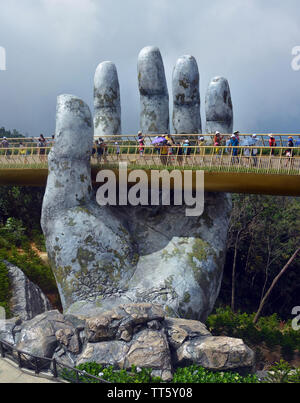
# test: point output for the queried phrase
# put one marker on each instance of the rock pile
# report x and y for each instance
(135, 334)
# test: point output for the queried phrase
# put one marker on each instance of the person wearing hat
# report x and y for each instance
(217, 142)
(164, 151)
(201, 144)
(289, 151)
(117, 148)
(237, 135)
(141, 141)
(272, 143)
(186, 147)
(234, 142)
(4, 143)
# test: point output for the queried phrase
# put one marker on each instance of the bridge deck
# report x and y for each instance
(227, 169)
(241, 179)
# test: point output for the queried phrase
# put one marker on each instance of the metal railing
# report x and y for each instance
(281, 138)
(179, 154)
(53, 367)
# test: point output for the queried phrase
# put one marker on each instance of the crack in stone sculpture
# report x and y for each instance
(103, 256)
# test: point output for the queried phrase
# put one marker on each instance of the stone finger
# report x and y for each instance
(186, 96)
(219, 110)
(154, 118)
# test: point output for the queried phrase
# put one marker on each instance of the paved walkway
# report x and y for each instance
(10, 373)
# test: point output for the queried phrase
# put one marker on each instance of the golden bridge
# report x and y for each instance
(256, 169)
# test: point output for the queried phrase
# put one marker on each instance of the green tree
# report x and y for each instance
(264, 234)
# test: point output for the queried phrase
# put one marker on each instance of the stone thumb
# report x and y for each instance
(69, 178)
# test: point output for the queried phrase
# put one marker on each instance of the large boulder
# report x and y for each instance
(216, 353)
(181, 330)
(27, 300)
(121, 322)
(40, 335)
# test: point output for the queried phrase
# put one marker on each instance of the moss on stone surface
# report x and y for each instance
(71, 222)
(187, 298)
(85, 257)
(200, 252)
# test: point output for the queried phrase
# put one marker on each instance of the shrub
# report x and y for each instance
(197, 374)
(4, 289)
(135, 375)
(192, 374)
(13, 232)
(268, 330)
(282, 372)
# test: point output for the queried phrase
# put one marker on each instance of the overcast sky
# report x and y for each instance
(54, 46)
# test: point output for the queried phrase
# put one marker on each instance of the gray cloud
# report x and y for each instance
(54, 47)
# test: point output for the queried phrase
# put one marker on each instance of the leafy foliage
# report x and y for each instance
(31, 265)
(135, 375)
(13, 232)
(4, 289)
(264, 233)
(197, 374)
(282, 372)
(23, 204)
(192, 374)
(269, 330)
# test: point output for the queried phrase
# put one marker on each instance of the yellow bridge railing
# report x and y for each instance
(197, 154)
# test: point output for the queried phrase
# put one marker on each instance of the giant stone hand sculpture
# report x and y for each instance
(107, 256)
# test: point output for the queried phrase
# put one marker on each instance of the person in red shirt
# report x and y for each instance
(272, 143)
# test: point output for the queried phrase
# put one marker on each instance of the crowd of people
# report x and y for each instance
(25, 148)
(167, 147)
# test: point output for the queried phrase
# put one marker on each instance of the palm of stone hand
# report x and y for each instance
(104, 256)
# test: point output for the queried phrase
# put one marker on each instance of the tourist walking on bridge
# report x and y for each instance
(141, 141)
(164, 150)
(217, 142)
(272, 143)
(42, 147)
(201, 145)
(5, 144)
(254, 141)
(289, 152)
(179, 153)
(234, 142)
